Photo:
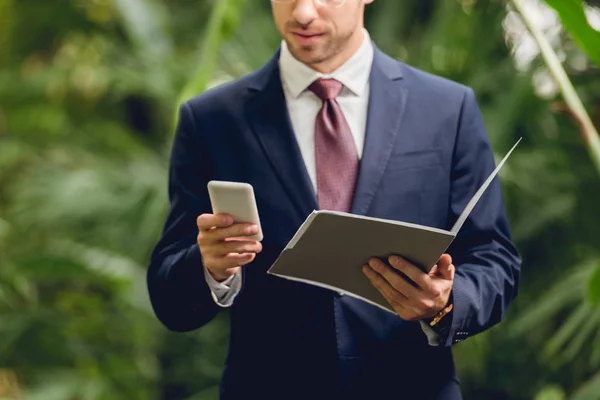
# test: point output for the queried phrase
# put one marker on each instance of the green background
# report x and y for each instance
(88, 94)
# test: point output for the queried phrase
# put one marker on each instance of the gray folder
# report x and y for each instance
(330, 248)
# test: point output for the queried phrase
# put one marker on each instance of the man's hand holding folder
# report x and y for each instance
(423, 297)
(345, 242)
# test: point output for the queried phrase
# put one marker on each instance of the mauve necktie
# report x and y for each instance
(335, 151)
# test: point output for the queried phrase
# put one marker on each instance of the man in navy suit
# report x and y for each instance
(332, 122)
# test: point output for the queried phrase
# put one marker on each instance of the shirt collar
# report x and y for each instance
(353, 74)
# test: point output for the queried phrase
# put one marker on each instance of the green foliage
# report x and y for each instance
(551, 392)
(87, 95)
(581, 326)
(574, 334)
(594, 287)
(572, 15)
(222, 24)
(590, 391)
(573, 101)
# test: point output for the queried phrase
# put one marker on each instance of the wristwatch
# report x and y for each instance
(445, 311)
(442, 321)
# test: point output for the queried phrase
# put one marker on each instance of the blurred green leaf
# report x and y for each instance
(5, 28)
(568, 329)
(580, 325)
(595, 359)
(66, 384)
(565, 293)
(146, 24)
(552, 392)
(4, 229)
(86, 103)
(572, 99)
(594, 287)
(583, 336)
(572, 15)
(589, 391)
(223, 21)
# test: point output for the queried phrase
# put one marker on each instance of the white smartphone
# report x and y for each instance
(236, 199)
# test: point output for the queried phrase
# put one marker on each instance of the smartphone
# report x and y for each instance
(236, 199)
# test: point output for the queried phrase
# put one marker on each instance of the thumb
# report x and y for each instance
(445, 268)
(434, 271)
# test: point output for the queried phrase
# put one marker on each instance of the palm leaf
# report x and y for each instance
(572, 15)
(59, 384)
(574, 103)
(223, 21)
(109, 265)
(589, 391)
(568, 329)
(566, 293)
(551, 392)
(580, 326)
(145, 21)
(594, 286)
(584, 336)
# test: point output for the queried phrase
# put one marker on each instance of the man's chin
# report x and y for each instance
(307, 54)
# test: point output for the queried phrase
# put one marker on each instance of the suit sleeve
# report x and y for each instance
(178, 290)
(486, 260)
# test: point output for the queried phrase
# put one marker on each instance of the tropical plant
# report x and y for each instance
(579, 292)
(572, 13)
(88, 91)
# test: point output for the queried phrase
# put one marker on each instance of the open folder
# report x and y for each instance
(326, 251)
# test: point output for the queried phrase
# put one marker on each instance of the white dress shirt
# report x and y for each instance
(303, 107)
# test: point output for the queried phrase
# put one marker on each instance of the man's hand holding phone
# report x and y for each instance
(226, 246)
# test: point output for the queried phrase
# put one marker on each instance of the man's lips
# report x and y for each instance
(307, 38)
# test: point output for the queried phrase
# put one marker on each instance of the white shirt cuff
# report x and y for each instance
(223, 293)
(432, 337)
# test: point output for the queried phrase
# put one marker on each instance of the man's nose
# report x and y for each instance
(305, 11)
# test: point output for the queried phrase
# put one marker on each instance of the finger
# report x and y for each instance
(402, 310)
(206, 222)
(238, 246)
(395, 298)
(420, 278)
(399, 303)
(240, 259)
(450, 272)
(445, 268)
(232, 260)
(394, 279)
(434, 271)
(233, 231)
(444, 262)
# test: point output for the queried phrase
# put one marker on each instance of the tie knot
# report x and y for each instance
(326, 89)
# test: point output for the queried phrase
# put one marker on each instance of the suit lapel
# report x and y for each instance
(268, 115)
(267, 112)
(387, 101)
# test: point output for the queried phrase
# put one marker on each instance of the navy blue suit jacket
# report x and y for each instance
(426, 153)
